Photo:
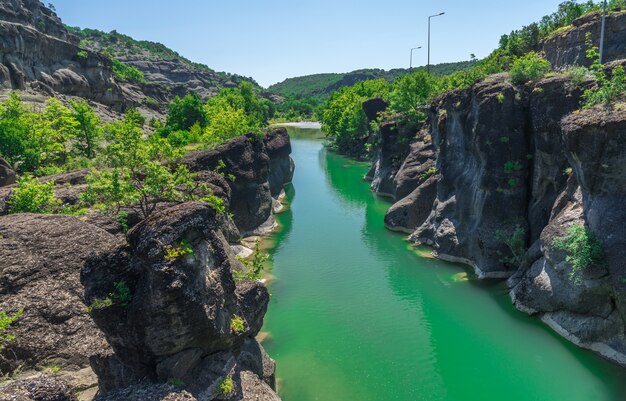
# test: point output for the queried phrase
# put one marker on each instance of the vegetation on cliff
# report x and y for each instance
(408, 96)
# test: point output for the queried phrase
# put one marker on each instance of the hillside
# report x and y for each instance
(158, 63)
(42, 58)
(324, 84)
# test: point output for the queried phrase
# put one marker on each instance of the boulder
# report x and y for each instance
(282, 166)
(42, 257)
(176, 321)
(7, 175)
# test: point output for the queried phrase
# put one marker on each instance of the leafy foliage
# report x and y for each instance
(237, 324)
(529, 67)
(253, 268)
(32, 196)
(185, 113)
(125, 72)
(5, 323)
(515, 241)
(225, 387)
(583, 250)
(344, 120)
(138, 173)
(184, 248)
(607, 90)
(121, 296)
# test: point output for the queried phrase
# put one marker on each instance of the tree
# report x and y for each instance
(140, 172)
(185, 113)
(88, 132)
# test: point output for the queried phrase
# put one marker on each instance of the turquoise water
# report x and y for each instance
(358, 314)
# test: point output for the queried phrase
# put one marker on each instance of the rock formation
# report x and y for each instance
(502, 171)
(177, 324)
(7, 175)
(41, 58)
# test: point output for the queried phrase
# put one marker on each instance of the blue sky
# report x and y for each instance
(271, 40)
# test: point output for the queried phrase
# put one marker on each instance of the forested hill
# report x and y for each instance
(324, 84)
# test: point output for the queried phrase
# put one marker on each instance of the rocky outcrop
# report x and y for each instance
(43, 388)
(592, 312)
(7, 175)
(516, 167)
(41, 58)
(42, 257)
(567, 47)
(256, 169)
(176, 321)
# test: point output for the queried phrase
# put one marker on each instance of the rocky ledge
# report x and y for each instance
(149, 324)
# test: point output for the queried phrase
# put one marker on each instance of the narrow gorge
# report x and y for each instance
(169, 232)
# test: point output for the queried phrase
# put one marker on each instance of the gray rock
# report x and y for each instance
(42, 257)
(7, 175)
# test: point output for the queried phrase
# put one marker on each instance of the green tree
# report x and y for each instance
(185, 113)
(139, 172)
(88, 131)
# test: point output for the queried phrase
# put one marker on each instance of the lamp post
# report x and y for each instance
(602, 33)
(415, 48)
(432, 16)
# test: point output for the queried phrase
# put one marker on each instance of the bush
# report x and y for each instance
(124, 72)
(184, 248)
(253, 268)
(608, 90)
(529, 67)
(583, 250)
(5, 323)
(31, 196)
(237, 324)
(120, 296)
(225, 387)
(82, 55)
(515, 241)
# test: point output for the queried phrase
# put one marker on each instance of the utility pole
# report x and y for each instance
(602, 34)
(432, 16)
(415, 48)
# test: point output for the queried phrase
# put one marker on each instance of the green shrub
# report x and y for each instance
(583, 249)
(516, 243)
(576, 75)
(125, 72)
(237, 324)
(120, 296)
(428, 173)
(225, 387)
(253, 268)
(529, 67)
(184, 248)
(5, 323)
(511, 167)
(31, 196)
(608, 90)
(82, 55)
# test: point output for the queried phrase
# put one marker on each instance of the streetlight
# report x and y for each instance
(415, 48)
(602, 33)
(432, 16)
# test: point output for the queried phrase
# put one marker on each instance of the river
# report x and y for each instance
(357, 314)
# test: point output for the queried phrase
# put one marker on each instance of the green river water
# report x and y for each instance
(357, 314)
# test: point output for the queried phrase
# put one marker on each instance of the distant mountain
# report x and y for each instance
(321, 85)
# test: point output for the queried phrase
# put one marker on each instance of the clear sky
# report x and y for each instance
(271, 40)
